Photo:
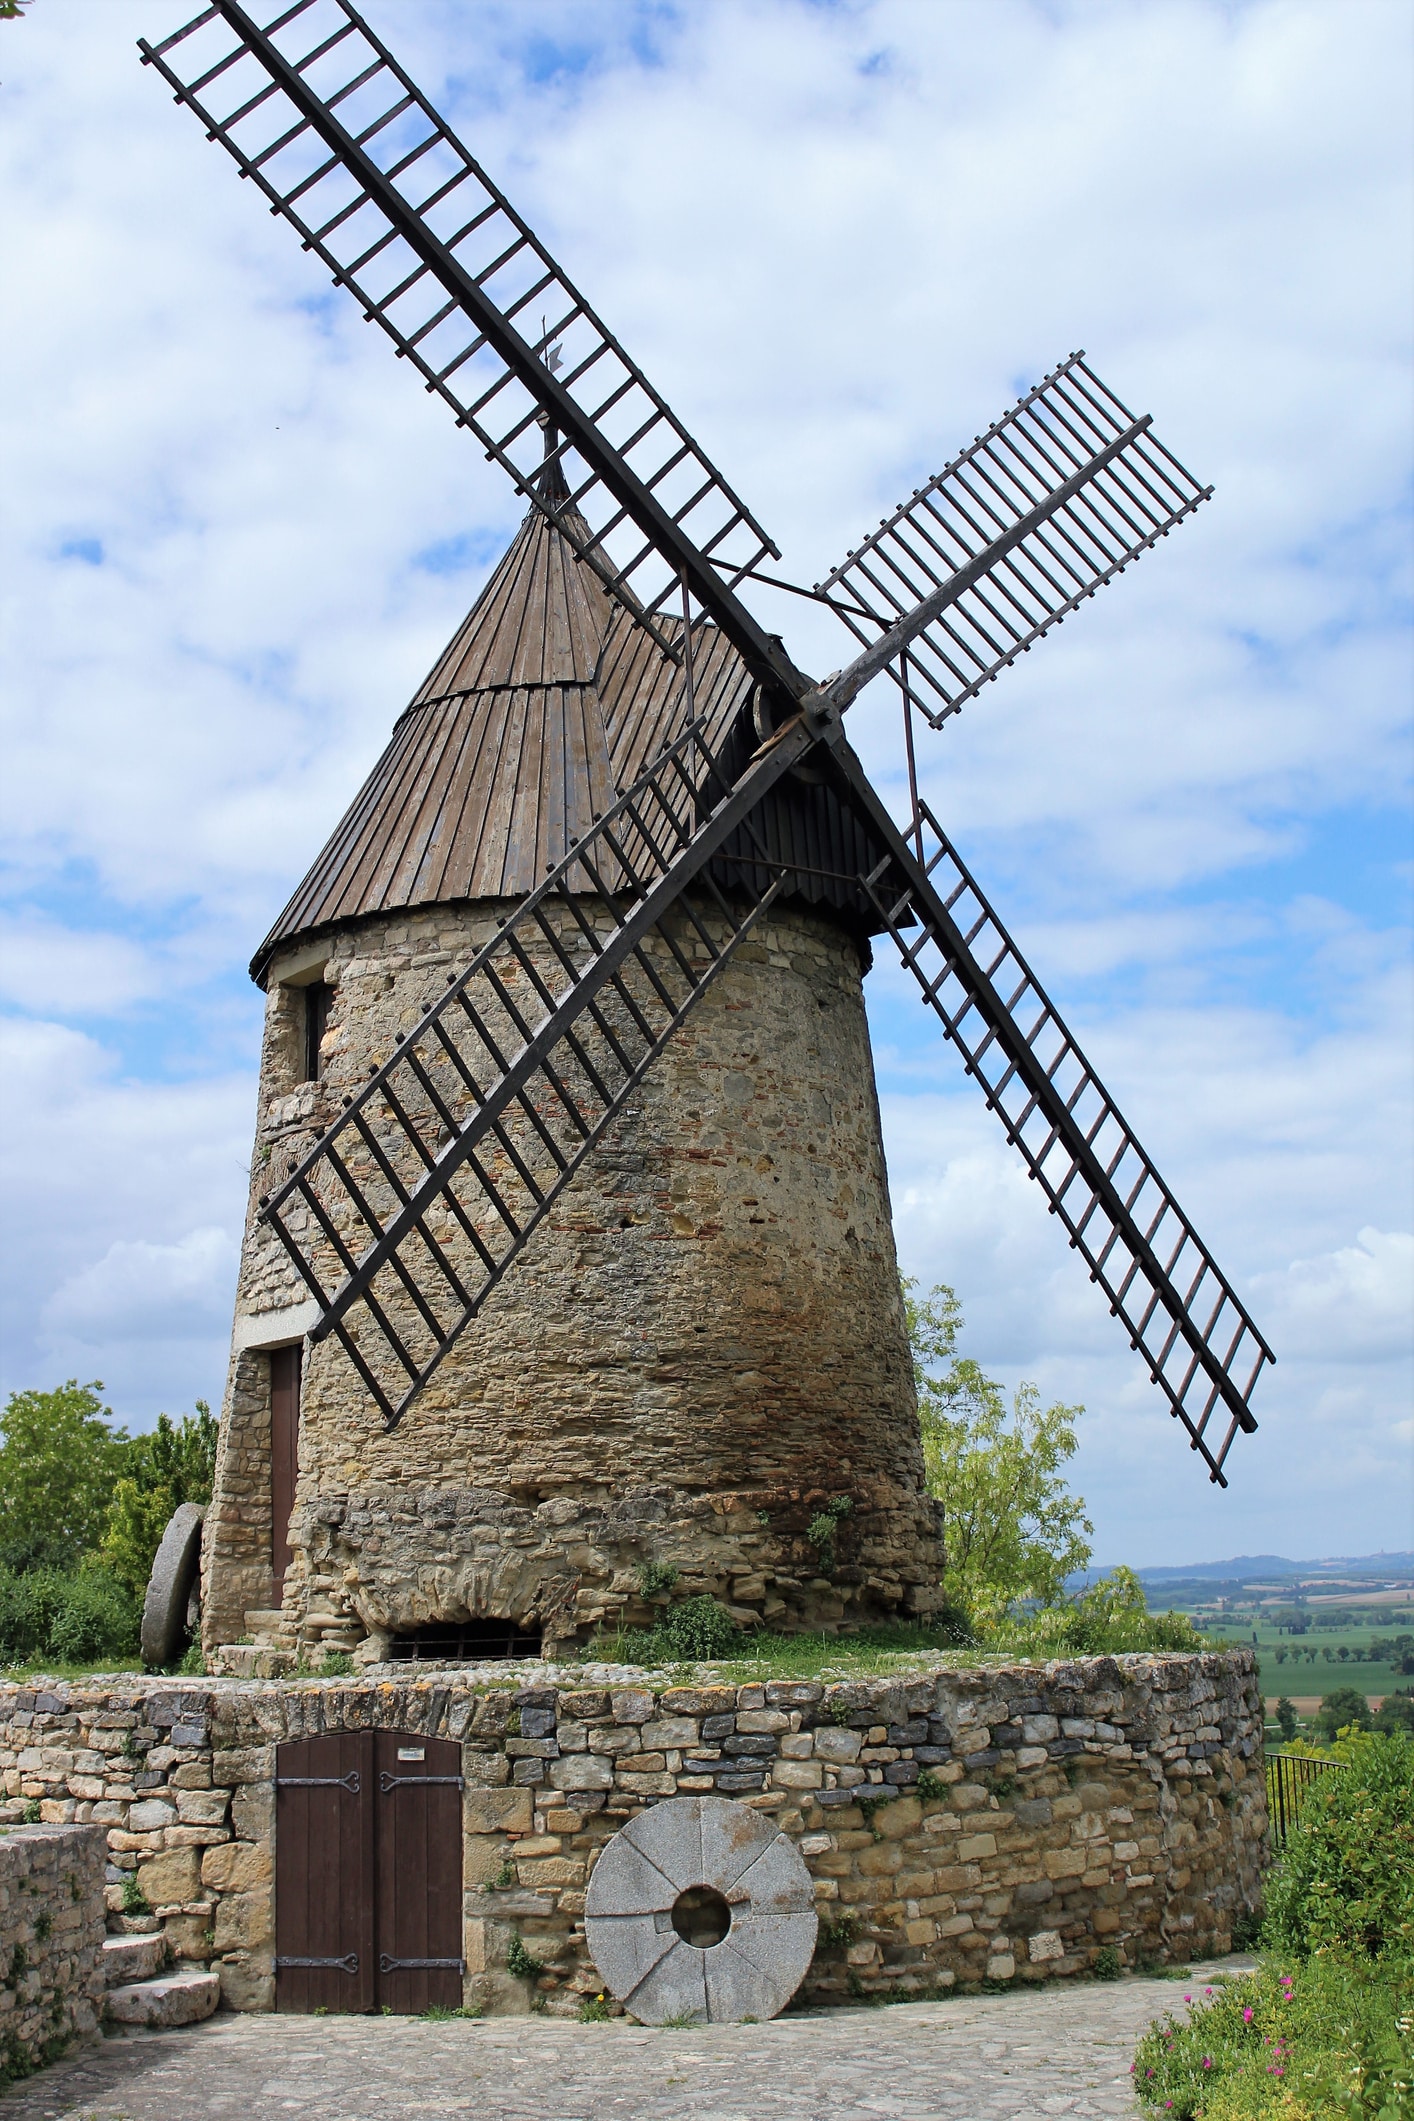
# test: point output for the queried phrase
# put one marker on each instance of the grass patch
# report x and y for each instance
(870, 1652)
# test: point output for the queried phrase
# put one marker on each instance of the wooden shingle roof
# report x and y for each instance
(546, 702)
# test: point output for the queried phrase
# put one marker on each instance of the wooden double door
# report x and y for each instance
(368, 1873)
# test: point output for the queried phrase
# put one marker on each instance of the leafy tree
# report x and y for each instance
(1286, 1719)
(1011, 1527)
(1341, 1708)
(59, 1464)
(171, 1464)
(1395, 1713)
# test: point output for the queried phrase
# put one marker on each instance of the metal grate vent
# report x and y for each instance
(483, 1641)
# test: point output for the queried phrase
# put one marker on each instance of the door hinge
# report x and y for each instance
(388, 1965)
(347, 1965)
(349, 1782)
(388, 1782)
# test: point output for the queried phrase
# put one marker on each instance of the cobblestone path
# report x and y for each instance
(1026, 2056)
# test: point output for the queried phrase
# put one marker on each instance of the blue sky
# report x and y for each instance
(840, 238)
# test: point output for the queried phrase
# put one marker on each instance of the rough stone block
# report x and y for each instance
(150, 1816)
(580, 1771)
(172, 1878)
(837, 1745)
(236, 1867)
(664, 1731)
(798, 1774)
(1046, 1944)
(508, 1811)
(244, 1922)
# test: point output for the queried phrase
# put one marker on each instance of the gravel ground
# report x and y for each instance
(1024, 2056)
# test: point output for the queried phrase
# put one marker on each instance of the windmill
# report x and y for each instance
(728, 792)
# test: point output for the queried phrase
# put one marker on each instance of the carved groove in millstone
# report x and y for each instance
(677, 1848)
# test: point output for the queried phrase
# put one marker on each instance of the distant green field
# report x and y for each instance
(1288, 1666)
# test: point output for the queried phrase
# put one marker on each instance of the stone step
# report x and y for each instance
(128, 1959)
(173, 1999)
(248, 1660)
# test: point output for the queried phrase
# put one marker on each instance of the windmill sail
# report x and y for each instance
(1041, 511)
(318, 113)
(1179, 1309)
(418, 1199)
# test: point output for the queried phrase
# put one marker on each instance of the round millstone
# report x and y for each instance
(174, 1575)
(699, 1909)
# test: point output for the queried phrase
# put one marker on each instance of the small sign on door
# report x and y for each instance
(412, 1752)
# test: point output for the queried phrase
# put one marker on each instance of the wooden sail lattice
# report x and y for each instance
(1181, 1312)
(1058, 497)
(317, 112)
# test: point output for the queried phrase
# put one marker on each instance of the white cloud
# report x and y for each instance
(123, 1211)
(142, 1291)
(839, 238)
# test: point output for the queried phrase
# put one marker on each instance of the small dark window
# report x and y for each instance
(316, 1023)
(467, 1642)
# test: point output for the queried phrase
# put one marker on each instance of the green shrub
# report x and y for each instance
(655, 1578)
(1109, 1619)
(1346, 1878)
(523, 1964)
(821, 1529)
(698, 1627)
(68, 1618)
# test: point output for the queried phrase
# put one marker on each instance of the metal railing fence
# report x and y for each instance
(1291, 1777)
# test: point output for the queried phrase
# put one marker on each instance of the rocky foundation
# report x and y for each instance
(1007, 1823)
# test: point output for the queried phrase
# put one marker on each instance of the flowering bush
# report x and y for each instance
(1306, 2043)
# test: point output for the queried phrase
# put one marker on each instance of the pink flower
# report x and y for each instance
(1207, 2061)
(1248, 2015)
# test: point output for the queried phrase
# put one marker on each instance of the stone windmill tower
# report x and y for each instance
(569, 1256)
(704, 1345)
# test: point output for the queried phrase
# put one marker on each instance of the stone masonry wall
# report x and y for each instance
(1000, 1823)
(702, 1345)
(51, 1940)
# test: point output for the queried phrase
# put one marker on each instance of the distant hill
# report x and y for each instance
(1255, 1568)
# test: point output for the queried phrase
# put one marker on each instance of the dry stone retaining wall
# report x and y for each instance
(1002, 1823)
(51, 1940)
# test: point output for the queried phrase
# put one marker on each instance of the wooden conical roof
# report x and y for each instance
(548, 701)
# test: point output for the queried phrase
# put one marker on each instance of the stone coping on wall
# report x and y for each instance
(999, 1821)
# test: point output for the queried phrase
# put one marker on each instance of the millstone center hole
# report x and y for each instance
(701, 1916)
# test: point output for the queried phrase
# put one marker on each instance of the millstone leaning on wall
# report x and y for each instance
(1001, 1824)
